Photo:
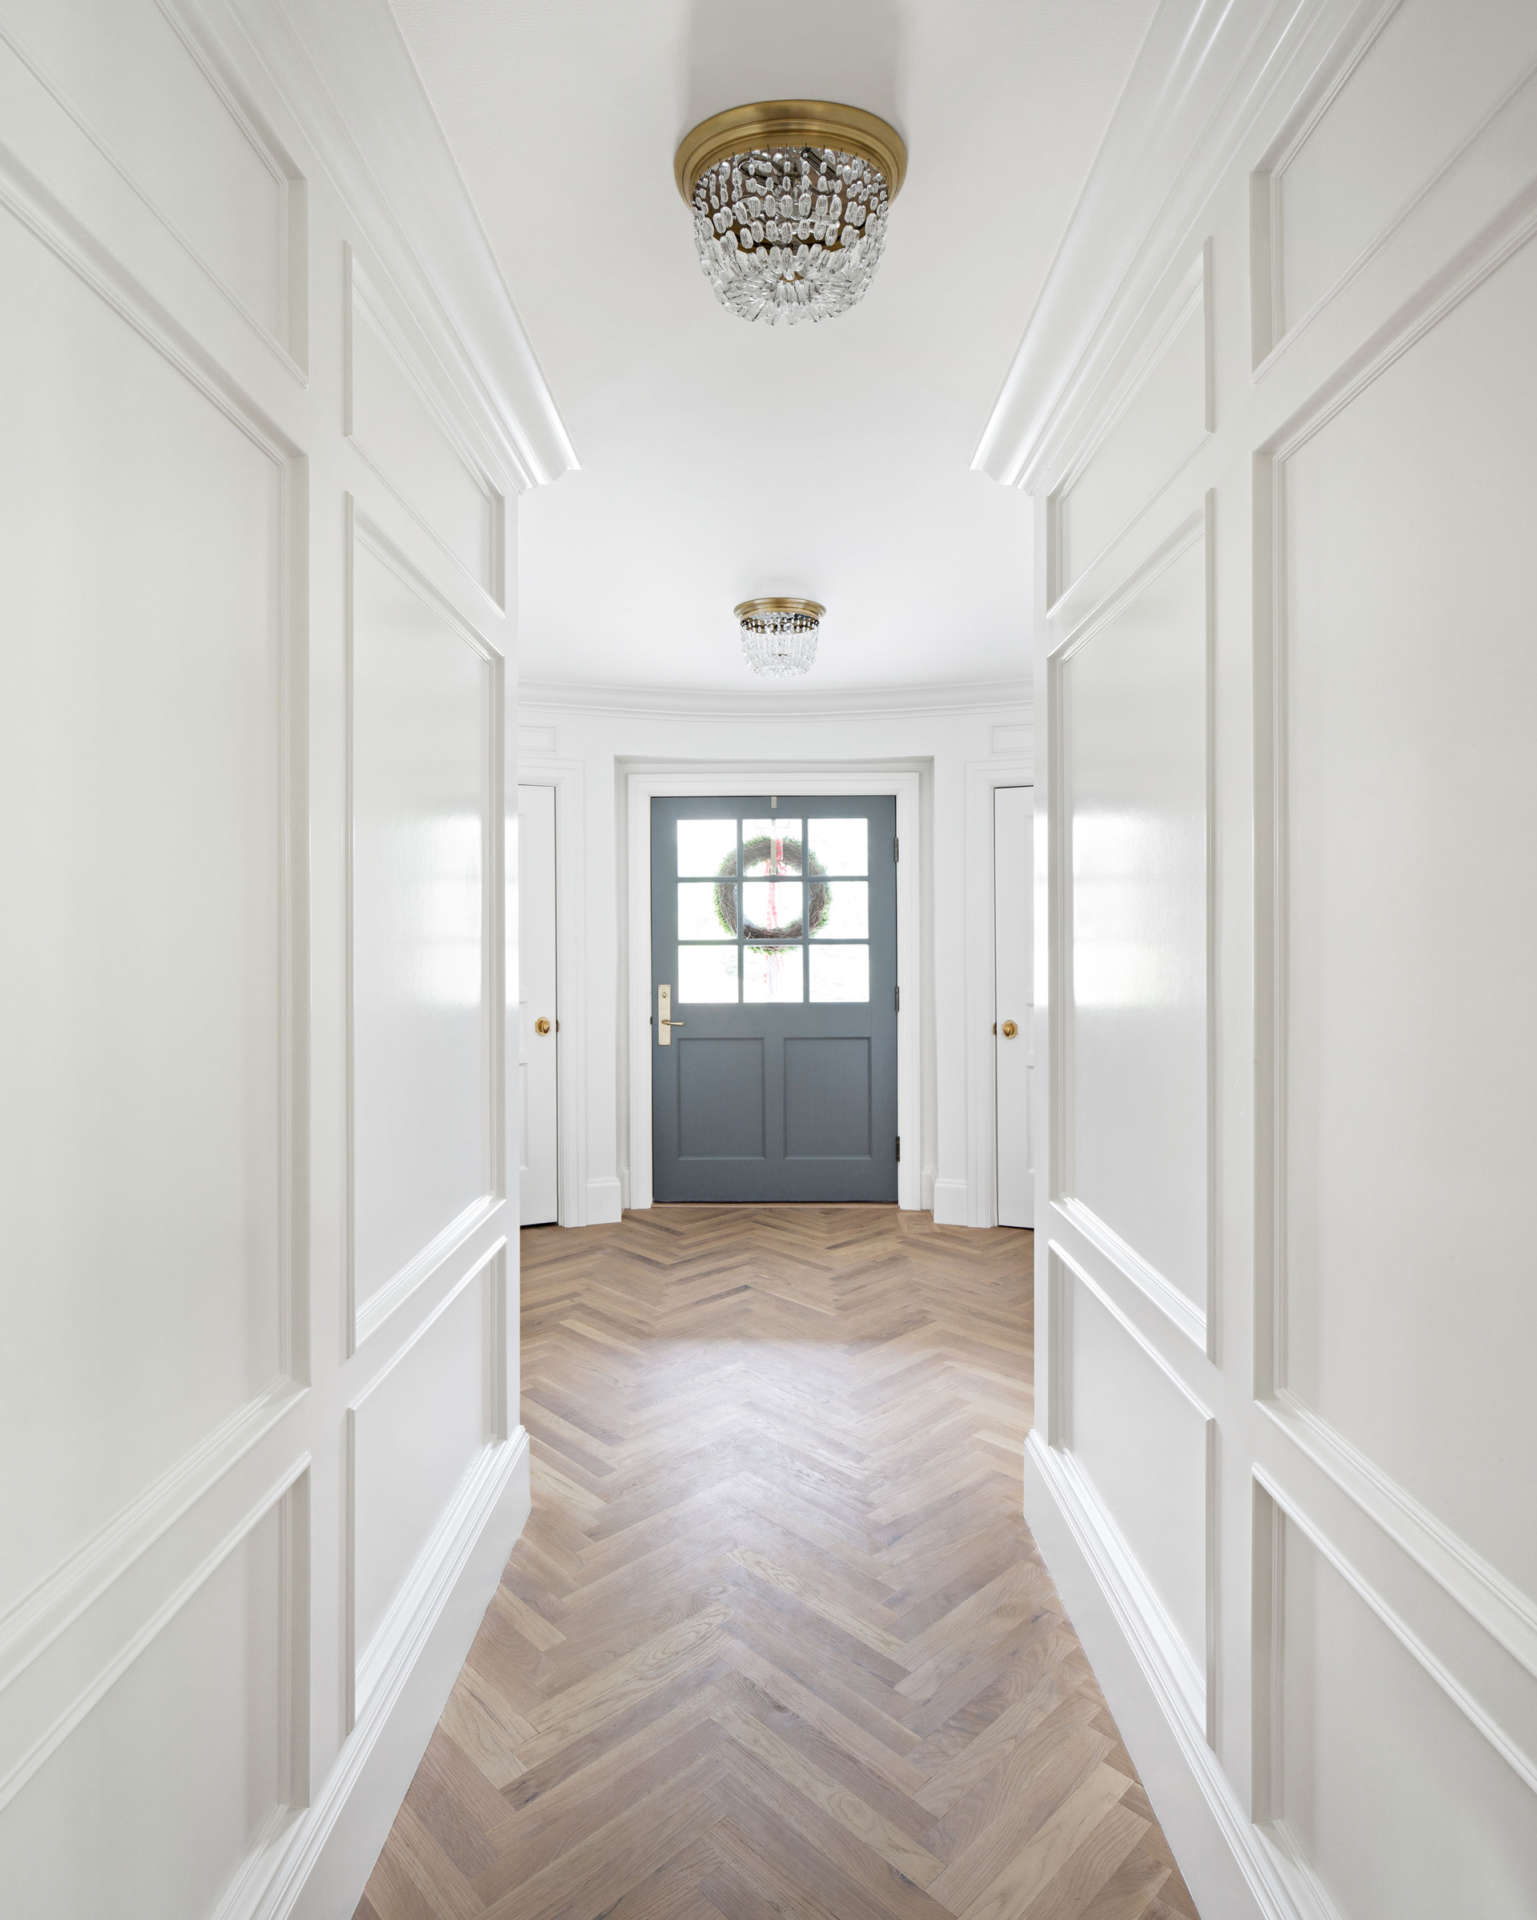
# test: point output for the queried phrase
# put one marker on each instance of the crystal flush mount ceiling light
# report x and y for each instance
(779, 637)
(789, 199)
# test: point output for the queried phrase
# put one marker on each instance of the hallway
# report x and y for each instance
(776, 1639)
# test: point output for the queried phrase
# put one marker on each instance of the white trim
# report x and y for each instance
(573, 1205)
(950, 1203)
(1230, 1869)
(1194, 1680)
(672, 781)
(1200, 85)
(344, 72)
(718, 703)
(327, 1857)
(983, 779)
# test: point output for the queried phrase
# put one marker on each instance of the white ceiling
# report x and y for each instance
(722, 459)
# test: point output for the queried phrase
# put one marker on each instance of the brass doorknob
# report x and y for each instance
(1009, 1029)
(541, 1026)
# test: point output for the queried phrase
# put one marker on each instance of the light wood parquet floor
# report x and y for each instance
(776, 1640)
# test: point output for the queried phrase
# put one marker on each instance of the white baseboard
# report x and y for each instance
(950, 1205)
(333, 1846)
(1222, 1855)
(605, 1201)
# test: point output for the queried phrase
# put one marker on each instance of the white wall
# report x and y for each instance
(956, 745)
(259, 1374)
(1277, 411)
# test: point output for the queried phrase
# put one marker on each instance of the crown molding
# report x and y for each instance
(1202, 78)
(348, 78)
(718, 703)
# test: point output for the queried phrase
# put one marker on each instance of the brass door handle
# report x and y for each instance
(674, 1023)
(1009, 1029)
(541, 1026)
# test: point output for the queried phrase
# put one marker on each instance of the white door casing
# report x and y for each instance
(1014, 1000)
(258, 1384)
(537, 1052)
(1282, 1462)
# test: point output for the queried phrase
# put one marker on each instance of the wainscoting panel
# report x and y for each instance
(259, 1358)
(1382, 123)
(426, 970)
(1397, 901)
(1130, 697)
(1290, 902)
(146, 85)
(1156, 420)
(1370, 1744)
(152, 896)
(409, 438)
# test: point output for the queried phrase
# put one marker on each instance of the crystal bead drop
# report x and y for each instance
(779, 644)
(790, 234)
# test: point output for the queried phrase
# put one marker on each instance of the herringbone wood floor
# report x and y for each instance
(776, 1640)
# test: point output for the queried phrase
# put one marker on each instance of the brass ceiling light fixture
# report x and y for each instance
(779, 637)
(790, 199)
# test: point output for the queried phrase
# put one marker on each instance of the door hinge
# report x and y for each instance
(899, 1146)
(896, 999)
(896, 847)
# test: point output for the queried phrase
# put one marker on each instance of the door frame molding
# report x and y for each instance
(983, 778)
(566, 777)
(795, 779)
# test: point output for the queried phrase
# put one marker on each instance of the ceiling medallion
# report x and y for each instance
(779, 637)
(789, 200)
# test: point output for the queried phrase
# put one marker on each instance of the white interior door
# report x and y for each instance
(536, 1004)
(1014, 1000)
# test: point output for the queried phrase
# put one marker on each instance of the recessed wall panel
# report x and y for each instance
(1410, 916)
(423, 704)
(149, 93)
(415, 1435)
(1156, 424)
(1385, 1788)
(142, 545)
(1142, 1442)
(1400, 113)
(1133, 779)
(403, 432)
(178, 1771)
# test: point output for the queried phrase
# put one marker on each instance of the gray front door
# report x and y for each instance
(774, 930)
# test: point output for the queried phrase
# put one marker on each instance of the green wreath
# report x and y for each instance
(753, 852)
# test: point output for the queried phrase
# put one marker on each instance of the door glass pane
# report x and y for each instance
(772, 908)
(772, 973)
(707, 973)
(840, 973)
(840, 846)
(770, 847)
(707, 910)
(705, 846)
(840, 909)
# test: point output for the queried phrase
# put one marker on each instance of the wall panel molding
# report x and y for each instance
(1160, 413)
(371, 1306)
(406, 434)
(1274, 1514)
(371, 1657)
(1191, 1673)
(283, 326)
(1194, 1318)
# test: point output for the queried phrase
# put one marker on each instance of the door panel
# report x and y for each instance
(774, 931)
(1013, 972)
(536, 1002)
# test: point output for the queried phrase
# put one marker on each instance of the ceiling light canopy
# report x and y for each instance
(790, 200)
(779, 637)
